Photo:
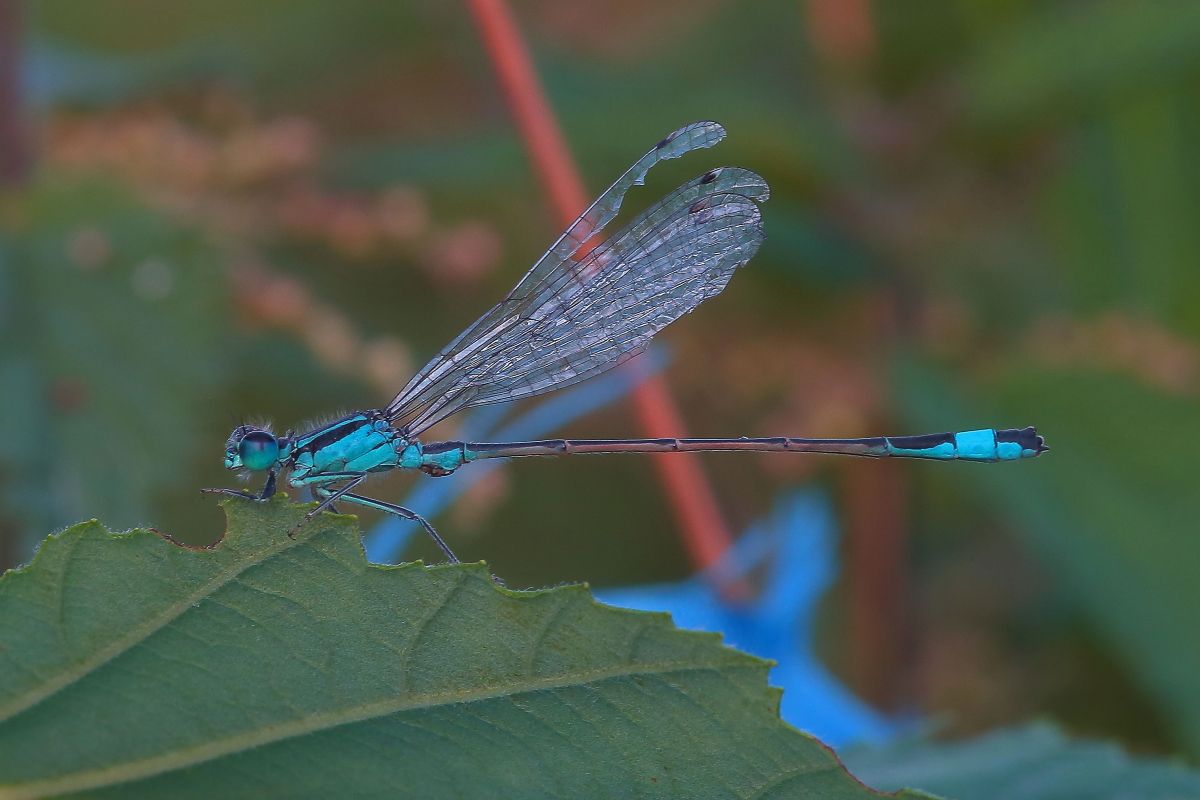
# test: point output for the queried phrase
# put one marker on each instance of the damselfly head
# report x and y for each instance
(251, 447)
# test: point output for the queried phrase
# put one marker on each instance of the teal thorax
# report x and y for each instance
(362, 442)
(365, 442)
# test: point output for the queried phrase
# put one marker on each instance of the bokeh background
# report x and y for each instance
(983, 215)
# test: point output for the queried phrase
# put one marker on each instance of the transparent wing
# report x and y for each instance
(586, 306)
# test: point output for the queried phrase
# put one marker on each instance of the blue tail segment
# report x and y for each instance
(988, 444)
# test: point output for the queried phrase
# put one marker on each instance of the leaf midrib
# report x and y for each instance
(313, 723)
(73, 673)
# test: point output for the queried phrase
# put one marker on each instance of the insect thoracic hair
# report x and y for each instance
(251, 447)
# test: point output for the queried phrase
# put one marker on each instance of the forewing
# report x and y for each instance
(586, 307)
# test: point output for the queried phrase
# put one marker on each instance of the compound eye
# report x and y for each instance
(258, 450)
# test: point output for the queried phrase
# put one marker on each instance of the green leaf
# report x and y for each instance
(1032, 762)
(132, 667)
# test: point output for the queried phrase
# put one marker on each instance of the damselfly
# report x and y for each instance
(587, 305)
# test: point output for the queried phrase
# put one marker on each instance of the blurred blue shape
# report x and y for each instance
(797, 542)
(385, 542)
(53, 72)
(56, 71)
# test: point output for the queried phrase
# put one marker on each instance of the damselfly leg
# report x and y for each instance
(268, 490)
(329, 496)
(399, 511)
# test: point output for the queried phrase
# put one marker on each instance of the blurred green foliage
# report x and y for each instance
(114, 320)
(1033, 762)
(987, 220)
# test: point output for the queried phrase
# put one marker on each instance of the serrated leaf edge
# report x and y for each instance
(66, 677)
(147, 768)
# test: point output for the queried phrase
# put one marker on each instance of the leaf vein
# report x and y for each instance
(316, 723)
(136, 634)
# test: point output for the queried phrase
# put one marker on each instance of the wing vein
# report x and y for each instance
(588, 304)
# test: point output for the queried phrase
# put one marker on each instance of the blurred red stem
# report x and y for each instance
(875, 495)
(692, 501)
(875, 498)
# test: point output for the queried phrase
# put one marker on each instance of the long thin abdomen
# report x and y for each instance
(1008, 444)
